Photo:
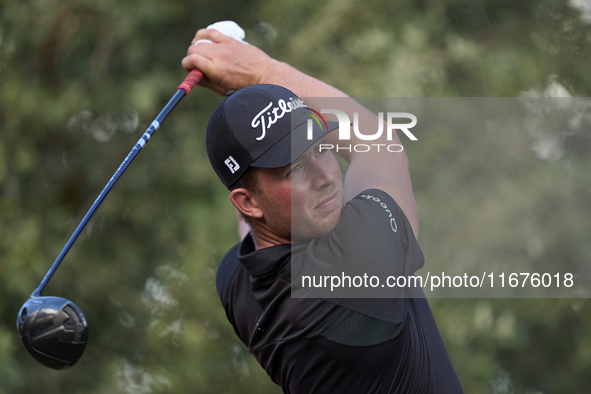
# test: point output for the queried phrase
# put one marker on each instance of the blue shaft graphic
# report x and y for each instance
(138, 146)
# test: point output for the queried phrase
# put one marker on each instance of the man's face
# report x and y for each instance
(303, 200)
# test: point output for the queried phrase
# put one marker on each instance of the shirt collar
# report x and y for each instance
(263, 261)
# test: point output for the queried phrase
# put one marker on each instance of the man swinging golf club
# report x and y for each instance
(291, 192)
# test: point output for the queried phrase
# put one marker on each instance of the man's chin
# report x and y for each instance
(305, 233)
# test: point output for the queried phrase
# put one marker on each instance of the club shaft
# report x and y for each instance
(181, 92)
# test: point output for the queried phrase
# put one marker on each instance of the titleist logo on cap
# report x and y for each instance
(273, 115)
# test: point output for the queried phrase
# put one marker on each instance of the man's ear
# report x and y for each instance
(246, 202)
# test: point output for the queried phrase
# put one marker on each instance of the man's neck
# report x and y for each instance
(264, 238)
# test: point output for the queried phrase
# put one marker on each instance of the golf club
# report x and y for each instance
(54, 330)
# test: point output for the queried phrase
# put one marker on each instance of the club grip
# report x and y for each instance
(191, 81)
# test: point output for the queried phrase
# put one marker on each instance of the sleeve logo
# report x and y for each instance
(393, 224)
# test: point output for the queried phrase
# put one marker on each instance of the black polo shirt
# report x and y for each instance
(338, 345)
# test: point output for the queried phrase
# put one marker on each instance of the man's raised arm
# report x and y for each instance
(228, 64)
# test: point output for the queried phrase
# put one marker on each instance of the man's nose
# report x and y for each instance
(323, 176)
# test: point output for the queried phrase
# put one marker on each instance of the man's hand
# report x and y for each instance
(227, 64)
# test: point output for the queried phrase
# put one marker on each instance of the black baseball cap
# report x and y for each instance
(262, 126)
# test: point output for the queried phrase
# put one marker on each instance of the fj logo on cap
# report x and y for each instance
(232, 164)
(274, 114)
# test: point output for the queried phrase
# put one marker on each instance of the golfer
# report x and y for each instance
(304, 217)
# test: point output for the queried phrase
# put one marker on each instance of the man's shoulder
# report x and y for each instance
(383, 216)
(373, 198)
(375, 208)
(226, 271)
(373, 237)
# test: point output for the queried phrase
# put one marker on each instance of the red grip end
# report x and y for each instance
(191, 81)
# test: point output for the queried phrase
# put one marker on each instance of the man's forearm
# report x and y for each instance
(298, 82)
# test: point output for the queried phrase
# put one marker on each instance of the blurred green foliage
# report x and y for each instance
(81, 80)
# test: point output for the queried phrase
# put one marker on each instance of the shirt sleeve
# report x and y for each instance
(389, 229)
(372, 242)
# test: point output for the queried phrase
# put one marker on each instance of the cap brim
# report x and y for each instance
(293, 145)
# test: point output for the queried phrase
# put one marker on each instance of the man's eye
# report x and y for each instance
(295, 168)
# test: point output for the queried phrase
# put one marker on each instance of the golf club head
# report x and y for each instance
(53, 330)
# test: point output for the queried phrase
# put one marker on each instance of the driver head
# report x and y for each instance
(53, 330)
